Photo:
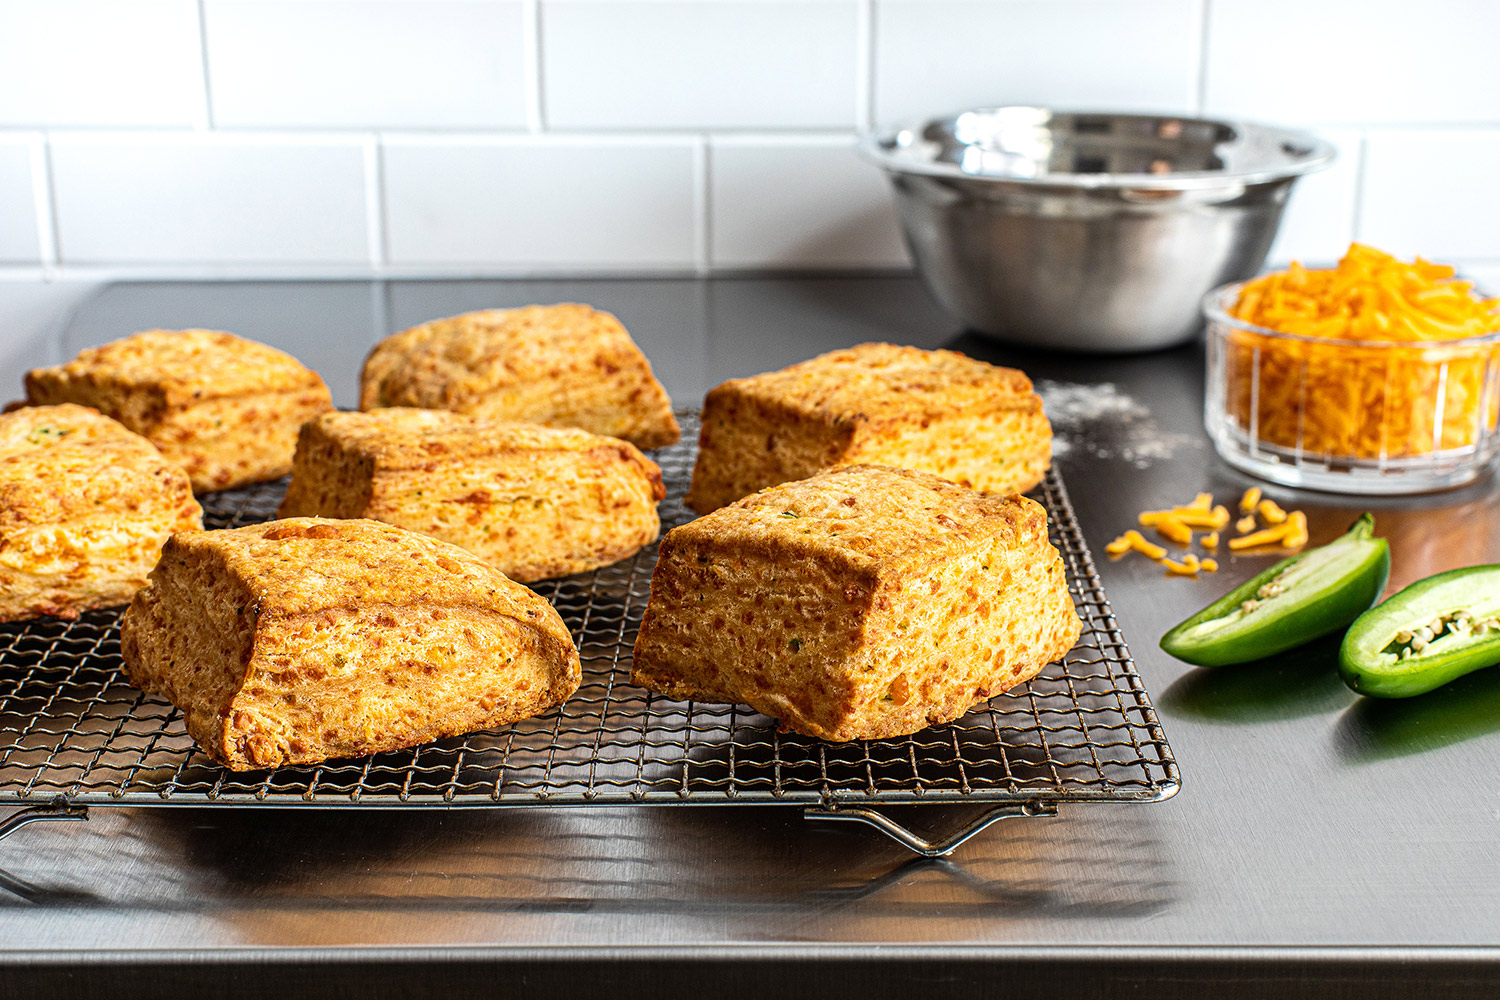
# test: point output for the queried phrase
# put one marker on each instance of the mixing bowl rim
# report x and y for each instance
(872, 144)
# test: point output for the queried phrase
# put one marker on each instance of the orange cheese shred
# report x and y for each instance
(1278, 535)
(1187, 567)
(1173, 530)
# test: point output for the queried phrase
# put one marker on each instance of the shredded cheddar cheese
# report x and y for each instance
(1271, 512)
(1173, 530)
(1384, 365)
(1187, 567)
(1133, 540)
(1286, 534)
(1193, 516)
(1287, 529)
(1297, 537)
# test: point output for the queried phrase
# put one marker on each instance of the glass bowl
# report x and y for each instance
(1349, 416)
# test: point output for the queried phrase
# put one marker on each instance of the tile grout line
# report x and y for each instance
(864, 66)
(206, 123)
(702, 204)
(375, 235)
(44, 200)
(1205, 14)
(1356, 222)
(531, 65)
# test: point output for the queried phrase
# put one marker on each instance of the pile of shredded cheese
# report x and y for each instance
(1394, 378)
(1283, 529)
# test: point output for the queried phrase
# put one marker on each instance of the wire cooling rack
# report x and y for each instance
(73, 733)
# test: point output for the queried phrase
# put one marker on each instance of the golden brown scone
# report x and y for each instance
(535, 502)
(934, 411)
(85, 506)
(296, 641)
(862, 603)
(561, 366)
(224, 408)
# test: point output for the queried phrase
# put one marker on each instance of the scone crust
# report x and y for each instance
(294, 641)
(564, 365)
(863, 602)
(85, 507)
(225, 408)
(935, 411)
(536, 502)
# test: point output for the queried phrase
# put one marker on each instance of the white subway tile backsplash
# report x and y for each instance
(524, 136)
(99, 63)
(1375, 61)
(1486, 277)
(1319, 219)
(727, 64)
(19, 240)
(1432, 192)
(377, 63)
(799, 202)
(935, 56)
(547, 203)
(163, 199)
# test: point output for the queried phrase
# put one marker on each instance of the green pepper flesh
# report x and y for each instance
(1387, 655)
(1295, 601)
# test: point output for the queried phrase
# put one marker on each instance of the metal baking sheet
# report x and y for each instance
(72, 731)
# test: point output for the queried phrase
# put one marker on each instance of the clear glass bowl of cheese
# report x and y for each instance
(1376, 377)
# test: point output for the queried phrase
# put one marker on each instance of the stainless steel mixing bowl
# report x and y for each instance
(1088, 231)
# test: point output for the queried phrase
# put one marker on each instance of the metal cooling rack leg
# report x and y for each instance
(917, 843)
(36, 814)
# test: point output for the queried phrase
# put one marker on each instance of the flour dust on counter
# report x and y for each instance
(1100, 421)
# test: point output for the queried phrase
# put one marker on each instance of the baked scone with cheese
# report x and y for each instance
(535, 502)
(85, 506)
(224, 408)
(861, 603)
(880, 404)
(561, 366)
(297, 641)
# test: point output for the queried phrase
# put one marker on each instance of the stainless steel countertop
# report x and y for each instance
(1321, 844)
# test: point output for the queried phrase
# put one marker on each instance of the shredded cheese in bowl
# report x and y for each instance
(1378, 368)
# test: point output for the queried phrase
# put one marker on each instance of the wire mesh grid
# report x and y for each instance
(73, 730)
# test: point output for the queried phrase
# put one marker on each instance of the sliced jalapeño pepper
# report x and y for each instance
(1295, 601)
(1435, 630)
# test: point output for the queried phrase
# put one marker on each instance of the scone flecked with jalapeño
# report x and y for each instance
(561, 366)
(861, 603)
(934, 411)
(296, 641)
(85, 507)
(224, 408)
(535, 502)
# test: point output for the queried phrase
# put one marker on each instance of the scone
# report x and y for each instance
(535, 502)
(861, 603)
(224, 408)
(562, 366)
(292, 642)
(934, 411)
(85, 506)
